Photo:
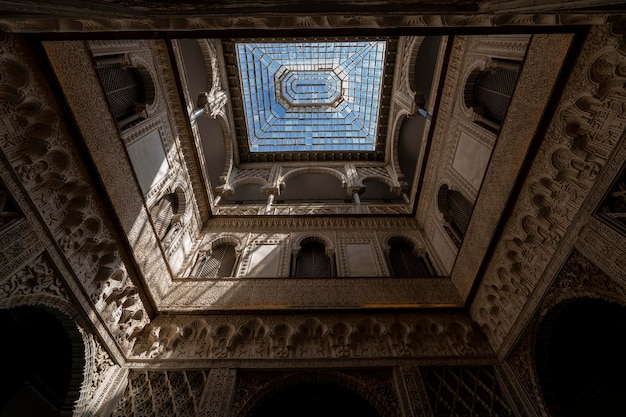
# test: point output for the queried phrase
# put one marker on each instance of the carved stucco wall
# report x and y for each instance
(581, 153)
(578, 278)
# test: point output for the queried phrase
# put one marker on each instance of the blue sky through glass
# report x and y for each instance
(311, 96)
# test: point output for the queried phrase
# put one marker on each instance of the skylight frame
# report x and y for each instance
(261, 116)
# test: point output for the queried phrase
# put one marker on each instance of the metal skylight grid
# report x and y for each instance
(311, 96)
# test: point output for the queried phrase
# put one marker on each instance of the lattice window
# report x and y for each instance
(404, 263)
(124, 90)
(471, 392)
(220, 263)
(163, 213)
(312, 261)
(460, 210)
(493, 91)
(456, 210)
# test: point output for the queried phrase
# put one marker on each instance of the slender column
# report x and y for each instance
(422, 112)
(196, 113)
(270, 201)
(406, 198)
(217, 200)
(357, 202)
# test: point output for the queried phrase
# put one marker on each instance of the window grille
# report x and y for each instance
(124, 90)
(404, 263)
(163, 213)
(460, 210)
(220, 263)
(312, 262)
(472, 392)
(493, 91)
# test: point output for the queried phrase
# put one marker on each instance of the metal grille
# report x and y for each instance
(467, 392)
(460, 210)
(404, 263)
(312, 261)
(493, 92)
(162, 214)
(123, 87)
(220, 263)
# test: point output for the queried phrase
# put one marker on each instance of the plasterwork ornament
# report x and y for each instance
(59, 186)
(37, 279)
(218, 392)
(578, 278)
(176, 338)
(162, 393)
(575, 148)
(254, 15)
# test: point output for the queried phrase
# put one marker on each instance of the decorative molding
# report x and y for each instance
(178, 338)
(587, 129)
(218, 393)
(161, 393)
(39, 150)
(203, 18)
(578, 278)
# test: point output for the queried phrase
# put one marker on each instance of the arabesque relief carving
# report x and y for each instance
(58, 186)
(307, 338)
(576, 147)
(578, 278)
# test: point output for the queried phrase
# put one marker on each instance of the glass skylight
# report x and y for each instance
(311, 96)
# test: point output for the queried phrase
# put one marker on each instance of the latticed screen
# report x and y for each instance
(123, 87)
(460, 210)
(221, 262)
(312, 261)
(493, 91)
(162, 214)
(471, 392)
(404, 263)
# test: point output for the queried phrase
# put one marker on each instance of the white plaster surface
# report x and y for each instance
(149, 161)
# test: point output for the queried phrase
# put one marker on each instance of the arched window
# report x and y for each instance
(164, 214)
(403, 262)
(128, 89)
(220, 262)
(489, 93)
(312, 261)
(456, 210)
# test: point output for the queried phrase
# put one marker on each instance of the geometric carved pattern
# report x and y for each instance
(279, 337)
(575, 148)
(161, 393)
(578, 278)
(613, 207)
(472, 392)
(39, 149)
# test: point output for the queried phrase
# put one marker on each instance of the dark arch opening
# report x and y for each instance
(580, 359)
(313, 399)
(403, 262)
(41, 374)
(312, 261)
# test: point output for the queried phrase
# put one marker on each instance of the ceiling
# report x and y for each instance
(313, 187)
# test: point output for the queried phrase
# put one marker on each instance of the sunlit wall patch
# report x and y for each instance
(311, 96)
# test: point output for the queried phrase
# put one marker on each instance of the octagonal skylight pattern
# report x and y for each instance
(311, 96)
